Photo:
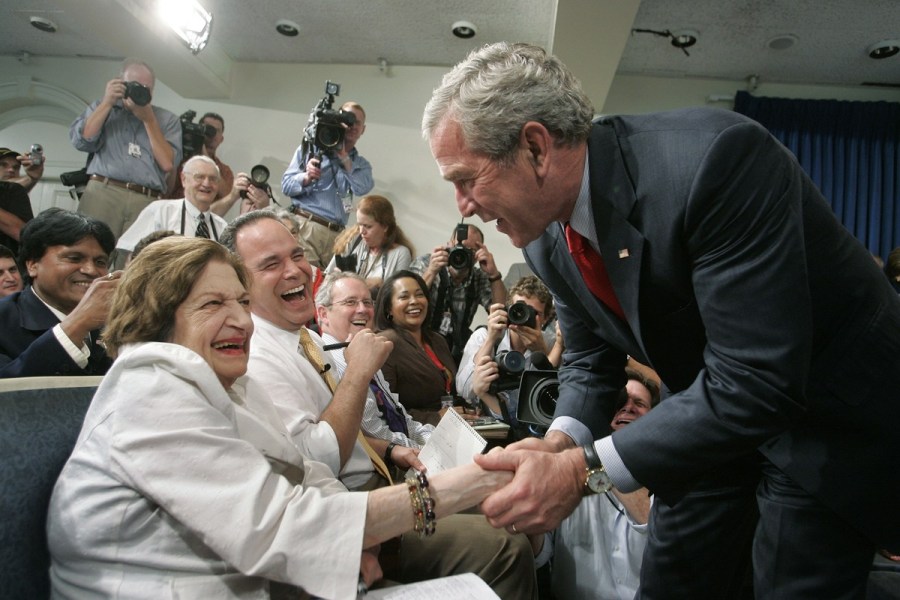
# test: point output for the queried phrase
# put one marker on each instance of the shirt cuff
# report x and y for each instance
(573, 428)
(614, 467)
(79, 355)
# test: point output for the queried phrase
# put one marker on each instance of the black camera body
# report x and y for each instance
(259, 178)
(345, 263)
(193, 135)
(326, 126)
(520, 313)
(138, 92)
(511, 365)
(460, 257)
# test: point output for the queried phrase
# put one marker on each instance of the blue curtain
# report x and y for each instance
(850, 150)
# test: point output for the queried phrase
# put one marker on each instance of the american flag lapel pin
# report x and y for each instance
(623, 253)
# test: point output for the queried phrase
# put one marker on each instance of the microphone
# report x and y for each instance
(325, 368)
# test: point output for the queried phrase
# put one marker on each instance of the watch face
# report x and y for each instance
(598, 481)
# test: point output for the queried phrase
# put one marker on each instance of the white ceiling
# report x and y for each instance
(832, 35)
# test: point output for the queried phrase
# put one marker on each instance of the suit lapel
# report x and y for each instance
(34, 314)
(612, 200)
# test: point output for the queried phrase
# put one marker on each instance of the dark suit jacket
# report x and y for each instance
(28, 347)
(769, 323)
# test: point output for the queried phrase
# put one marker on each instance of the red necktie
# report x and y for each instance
(593, 271)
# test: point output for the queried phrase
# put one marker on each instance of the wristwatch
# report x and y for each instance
(596, 481)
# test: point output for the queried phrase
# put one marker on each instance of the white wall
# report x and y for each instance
(270, 103)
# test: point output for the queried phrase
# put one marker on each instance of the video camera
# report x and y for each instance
(193, 135)
(461, 258)
(326, 127)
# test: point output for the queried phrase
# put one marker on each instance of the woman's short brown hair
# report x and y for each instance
(154, 286)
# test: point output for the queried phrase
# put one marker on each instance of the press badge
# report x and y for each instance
(445, 324)
(347, 201)
(134, 150)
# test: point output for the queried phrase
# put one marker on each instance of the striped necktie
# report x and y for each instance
(202, 228)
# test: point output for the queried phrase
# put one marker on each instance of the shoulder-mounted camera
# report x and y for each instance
(193, 135)
(326, 126)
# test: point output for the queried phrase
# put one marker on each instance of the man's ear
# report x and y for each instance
(322, 314)
(536, 142)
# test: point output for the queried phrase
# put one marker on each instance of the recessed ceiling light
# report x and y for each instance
(884, 49)
(43, 24)
(287, 28)
(685, 38)
(782, 42)
(464, 29)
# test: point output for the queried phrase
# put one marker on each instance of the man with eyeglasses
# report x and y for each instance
(189, 216)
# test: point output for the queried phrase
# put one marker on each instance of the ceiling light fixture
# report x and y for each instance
(782, 42)
(43, 24)
(684, 39)
(287, 28)
(680, 39)
(189, 20)
(464, 29)
(884, 49)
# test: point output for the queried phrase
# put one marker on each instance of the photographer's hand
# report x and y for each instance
(436, 262)
(115, 91)
(93, 125)
(485, 260)
(498, 321)
(486, 371)
(313, 171)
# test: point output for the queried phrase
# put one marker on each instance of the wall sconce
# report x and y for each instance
(189, 20)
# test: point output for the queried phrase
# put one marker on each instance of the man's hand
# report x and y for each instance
(33, 171)
(313, 171)
(554, 441)
(367, 353)
(532, 337)
(144, 113)
(406, 458)
(546, 488)
(440, 256)
(485, 260)
(485, 373)
(498, 321)
(93, 309)
(256, 198)
(115, 91)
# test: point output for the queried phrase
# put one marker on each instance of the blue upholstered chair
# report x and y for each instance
(40, 419)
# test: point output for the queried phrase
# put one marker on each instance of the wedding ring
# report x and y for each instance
(514, 530)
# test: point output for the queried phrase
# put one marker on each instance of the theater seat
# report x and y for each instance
(40, 419)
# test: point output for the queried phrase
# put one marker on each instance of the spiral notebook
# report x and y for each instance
(452, 443)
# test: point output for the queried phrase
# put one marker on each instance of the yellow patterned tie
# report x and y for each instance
(314, 355)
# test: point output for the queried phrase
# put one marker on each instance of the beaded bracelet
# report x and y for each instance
(422, 504)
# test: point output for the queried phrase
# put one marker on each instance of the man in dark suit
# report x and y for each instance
(722, 267)
(52, 326)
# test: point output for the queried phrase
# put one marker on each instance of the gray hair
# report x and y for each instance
(500, 87)
(324, 296)
(199, 158)
(136, 62)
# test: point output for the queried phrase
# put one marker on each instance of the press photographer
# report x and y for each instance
(136, 148)
(326, 172)
(497, 355)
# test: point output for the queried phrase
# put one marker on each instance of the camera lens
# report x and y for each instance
(460, 258)
(522, 314)
(510, 361)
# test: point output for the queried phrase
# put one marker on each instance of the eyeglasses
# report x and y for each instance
(354, 302)
(199, 177)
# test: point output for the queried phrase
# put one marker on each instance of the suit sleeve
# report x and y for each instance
(745, 243)
(44, 356)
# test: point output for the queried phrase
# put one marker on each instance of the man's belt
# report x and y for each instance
(131, 187)
(317, 219)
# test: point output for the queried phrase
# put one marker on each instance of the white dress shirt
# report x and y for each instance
(301, 396)
(180, 216)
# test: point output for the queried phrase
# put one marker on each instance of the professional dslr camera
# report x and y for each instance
(511, 365)
(194, 134)
(326, 127)
(139, 93)
(461, 258)
(520, 313)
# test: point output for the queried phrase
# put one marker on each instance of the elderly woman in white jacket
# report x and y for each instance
(181, 487)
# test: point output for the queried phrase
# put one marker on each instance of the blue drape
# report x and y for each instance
(850, 150)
